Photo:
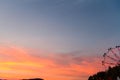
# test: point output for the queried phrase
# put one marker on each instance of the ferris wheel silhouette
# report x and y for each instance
(111, 57)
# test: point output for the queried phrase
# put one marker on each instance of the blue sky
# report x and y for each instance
(60, 25)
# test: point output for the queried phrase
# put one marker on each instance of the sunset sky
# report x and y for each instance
(56, 39)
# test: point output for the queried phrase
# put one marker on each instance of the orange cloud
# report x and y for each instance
(16, 63)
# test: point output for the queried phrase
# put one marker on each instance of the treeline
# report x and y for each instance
(110, 74)
(34, 79)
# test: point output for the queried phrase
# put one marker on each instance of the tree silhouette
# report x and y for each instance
(111, 74)
(34, 79)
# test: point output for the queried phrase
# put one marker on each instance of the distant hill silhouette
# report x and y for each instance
(34, 79)
(110, 74)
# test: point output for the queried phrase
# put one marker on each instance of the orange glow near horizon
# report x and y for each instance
(17, 63)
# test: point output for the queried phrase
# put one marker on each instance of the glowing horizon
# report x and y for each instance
(17, 63)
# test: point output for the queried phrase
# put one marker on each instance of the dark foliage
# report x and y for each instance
(34, 79)
(110, 74)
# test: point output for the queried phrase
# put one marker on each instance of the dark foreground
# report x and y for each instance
(34, 79)
(110, 74)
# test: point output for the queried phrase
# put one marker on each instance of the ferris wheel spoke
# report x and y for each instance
(110, 63)
(112, 58)
(115, 54)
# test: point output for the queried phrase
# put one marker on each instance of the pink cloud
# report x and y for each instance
(17, 62)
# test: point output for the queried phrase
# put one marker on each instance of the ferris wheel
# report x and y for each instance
(111, 57)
